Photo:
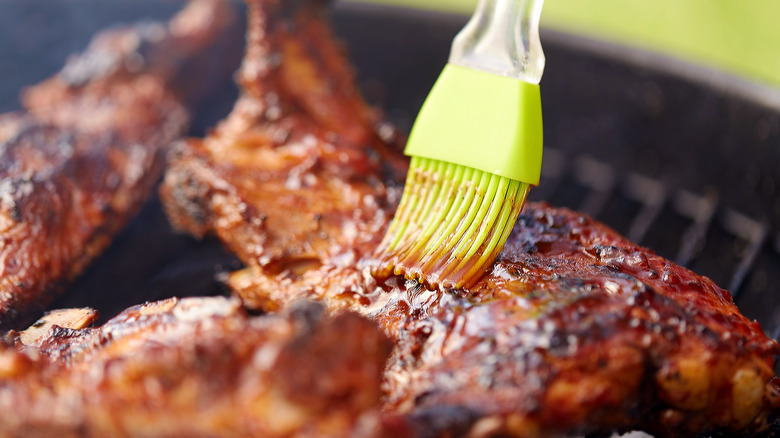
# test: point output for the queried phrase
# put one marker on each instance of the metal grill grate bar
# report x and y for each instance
(756, 234)
(599, 178)
(701, 210)
(652, 195)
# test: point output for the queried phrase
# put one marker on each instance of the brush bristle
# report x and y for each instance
(450, 225)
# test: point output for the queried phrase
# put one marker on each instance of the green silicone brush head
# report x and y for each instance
(451, 223)
(476, 149)
(481, 120)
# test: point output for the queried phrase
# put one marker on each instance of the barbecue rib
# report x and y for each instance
(88, 150)
(199, 367)
(573, 330)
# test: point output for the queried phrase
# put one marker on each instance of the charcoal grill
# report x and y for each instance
(681, 159)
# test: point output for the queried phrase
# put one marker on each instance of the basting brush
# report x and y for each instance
(476, 149)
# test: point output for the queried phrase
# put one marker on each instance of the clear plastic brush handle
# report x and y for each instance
(502, 37)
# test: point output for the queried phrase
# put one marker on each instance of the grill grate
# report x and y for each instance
(692, 229)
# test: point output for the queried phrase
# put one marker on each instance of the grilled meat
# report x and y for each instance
(573, 330)
(199, 367)
(87, 151)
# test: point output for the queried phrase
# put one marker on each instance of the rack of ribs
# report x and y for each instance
(197, 367)
(573, 330)
(87, 150)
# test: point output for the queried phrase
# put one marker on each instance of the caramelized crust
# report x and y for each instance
(199, 367)
(88, 150)
(573, 330)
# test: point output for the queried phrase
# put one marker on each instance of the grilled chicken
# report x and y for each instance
(573, 330)
(88, 149)
(198, 367)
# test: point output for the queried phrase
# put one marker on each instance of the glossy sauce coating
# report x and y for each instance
(88, 149)
(573, 330)
(199, 367)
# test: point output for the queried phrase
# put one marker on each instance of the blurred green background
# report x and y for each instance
(739, 36)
